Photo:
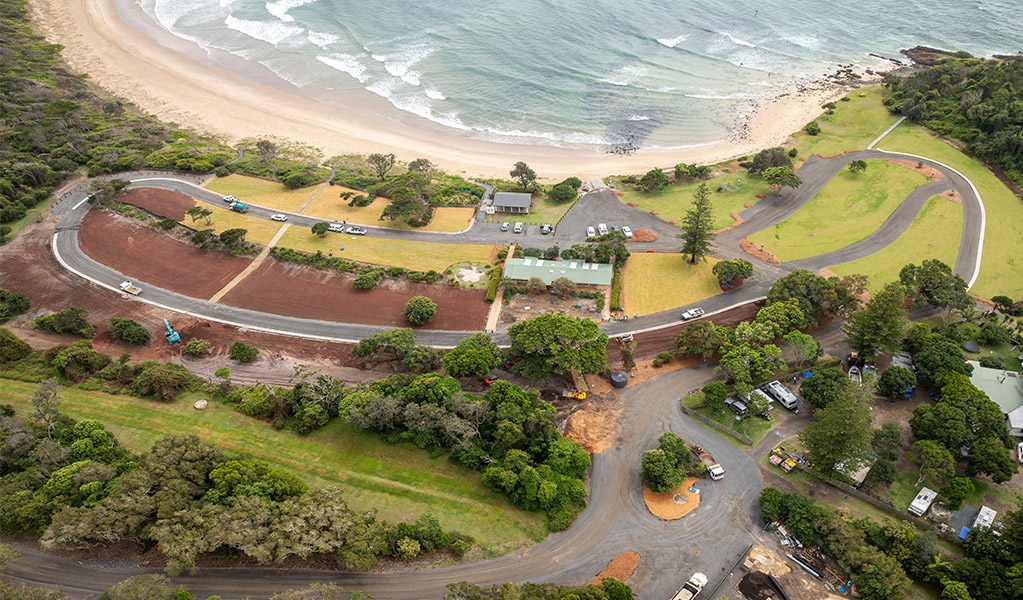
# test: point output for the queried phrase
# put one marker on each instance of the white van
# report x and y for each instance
(336, 228)
(782, 395)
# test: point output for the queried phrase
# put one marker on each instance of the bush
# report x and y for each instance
(163, 381)
(793, 152)
(572, 182)
(992, 334)
(12, 347)
(714, 394)
(812, 128)
(242, 352)
(221, 171)
(536, 286)
(532, 252)
(616, 290)
(11, 304)
(197, 347)
(70, 321)
(562, 193)
(129, 332)
(992, 362)
(628, 361)
(166, 224)
(563, 286)
(957, 490)
(367, 280)
(495, 281)
(420, 309)
(895, 382)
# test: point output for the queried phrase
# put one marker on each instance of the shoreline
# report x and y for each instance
(169, 77)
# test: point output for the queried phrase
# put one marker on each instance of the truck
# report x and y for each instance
(691, 588)
(239, 207)
(715, 470)
(127, 286)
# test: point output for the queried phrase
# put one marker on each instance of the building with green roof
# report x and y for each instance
(581, 273)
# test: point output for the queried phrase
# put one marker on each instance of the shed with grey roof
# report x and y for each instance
(513, 202)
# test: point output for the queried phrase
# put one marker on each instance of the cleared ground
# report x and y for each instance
(934, 234)
(421, 256)
(854, 125)
(658, 282)
(262, 192)
(849, 208)
(732, 188)
(398, 480)
(1001, 269)
(542, 212)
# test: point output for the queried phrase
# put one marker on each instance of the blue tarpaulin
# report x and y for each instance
(963, 532)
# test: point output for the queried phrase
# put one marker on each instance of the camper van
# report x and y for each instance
(922, 502)
(782, 395)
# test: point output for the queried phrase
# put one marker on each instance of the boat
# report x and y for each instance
(854, 374)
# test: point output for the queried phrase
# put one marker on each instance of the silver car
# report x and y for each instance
(279, 217)
(518, 228)
(356, 230)
(505, 226)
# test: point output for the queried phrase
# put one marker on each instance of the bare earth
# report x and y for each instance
(673, 504)
(620, 567)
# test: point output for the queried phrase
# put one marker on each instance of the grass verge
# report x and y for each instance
(657, 282)
(260, 231)
(398, 480)
(855, 124)
(542, 212)
(270, 194)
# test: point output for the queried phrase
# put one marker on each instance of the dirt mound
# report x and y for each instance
(620, 567)
(952, 196)
(644, 235)
(162, 203)
(150, 257)
(758, 251)
(654, 213)
(594, 427)
(632, 204)
(736, 221)
(761, 558)
(925, 170)
(673, 504)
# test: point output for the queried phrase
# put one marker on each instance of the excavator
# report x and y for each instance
(172, 336)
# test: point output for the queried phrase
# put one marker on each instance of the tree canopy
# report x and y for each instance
(696, 225)
(557, 344)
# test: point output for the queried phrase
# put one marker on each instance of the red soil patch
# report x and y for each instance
(925, 170)
(759, 252)
(296, 291)
(828, 157)
(984, 301)
(952, 196)
(162, 203)
(736, 221)
(759, 197)
(632, 204)
(620, 567)
(644, 235)
(150, 257)
(619, 194)
(650, 343)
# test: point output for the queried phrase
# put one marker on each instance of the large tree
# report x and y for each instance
(696, 225)
(523, 174)
(748, 365)
(826, 386)
(199, 212)
(934, 283)
(817, 296)
(936, 462)
(557, 344)
(782, 177)
(653, 180)
(703, 338)
(803, 345)
(841, 433)
(881, 325)
(474, 356)
(767, 158)
(381, 163)
(729, 271)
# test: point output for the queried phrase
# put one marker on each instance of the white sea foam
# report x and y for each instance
(280, 8)
(740, 42)
(672, 42)
(435, 94)
(264, 31)
(224, 3)
(322, 39)
(720, 96)
(639, 118)
(399, 64)
(346, 63)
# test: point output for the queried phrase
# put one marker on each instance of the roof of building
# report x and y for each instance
(549, 270)
(1015, 418)
(1004, 387)
(512, 199)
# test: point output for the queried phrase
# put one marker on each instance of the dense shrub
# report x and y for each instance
(77, 361)
(71, 321)
(162, 381)
(12, 348)
(495, 281)
(367, 280)
(197, 347)
(616, 290)
(420, 309)
(812, 128)
(12, 304)
(242, 352)
(129, 331)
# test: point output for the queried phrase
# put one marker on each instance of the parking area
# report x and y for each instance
(603, 207)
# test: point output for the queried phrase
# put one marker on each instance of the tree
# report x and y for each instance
(747, 365)
(783, 317)
(367, 280)
(474, 356)
(616, 590)
(71, 321)
(812, 128)
(659, 473)
(804, 346)
(197, 347)
(771, 504)
(936, 462)
(770, 157)
(841, 433)
(882, 473)
(817, 296)
(233, 237)
(1002, 303)
(103, 190)
(887, 441)
(990, 457)
(129, 331)
(696, 225)
(782, 176)
(939, 354)
(242, 352)
(881, 325)
(858, 166)
(992, 334)
(12, 304)
(955, 590)
(653, 180)
(199, 212)
(422, 166)
(381, 163)
(523, 174)
(826, 386)
(563, 286)
(535, 285)
(702, 338)
(420, 309)
(557, 344)
(320, 228)
(730, 271)
(714, 394)
(46, 401)
(758, 405)
(943, 423)
(934, 283)
(896, 382)
(562, 193)
(267, 150)
(957, 490)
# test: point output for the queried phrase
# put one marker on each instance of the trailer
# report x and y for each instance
(130, 288)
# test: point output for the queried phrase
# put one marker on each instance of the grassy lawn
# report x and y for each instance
(753, 427)
(421, 256)
(36, 214)
(542, 212)
(657, 282)
(969, 331)
(260, 231)
(399, 481)
(329, 206)
(854, 125)
(1001, 270)
(905, 489)
(934, 234)
(849, 208)
(445, 219)
(672, 202)
(270, 194)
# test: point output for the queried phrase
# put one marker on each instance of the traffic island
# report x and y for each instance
(673, 504)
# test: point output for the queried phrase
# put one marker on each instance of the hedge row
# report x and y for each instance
(616, 290)
(495, 280)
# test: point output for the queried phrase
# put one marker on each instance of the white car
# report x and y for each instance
(590, 232)
(505, 226)
(1019, 452)
(518, 228)
(230, 199)
(627, 231)
(356, 230)
(692, 313)
(279, 217)
(602, 228)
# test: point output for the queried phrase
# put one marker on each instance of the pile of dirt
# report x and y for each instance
(736, 221)
(162, 203)
(594, 427)
(620, 567)
(644, 235)
(673, 504)
(761, 558)
(654, 213)
(632, 204)
(758, 251)
(952, 196)
(925, 170)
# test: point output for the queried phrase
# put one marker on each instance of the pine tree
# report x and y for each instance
(696, 225)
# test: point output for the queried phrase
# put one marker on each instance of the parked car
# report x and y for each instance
(545, 229)
(736, 405)
(627, 231)
(518, 228)
(615, 228)
(489, 380)
(590, 232)
(1019, 452)
(279, 217)
(230, 199)
(602, 228)
(336, 228)
(505, 226)
(692, 313)
(356, 230)
(510, 362)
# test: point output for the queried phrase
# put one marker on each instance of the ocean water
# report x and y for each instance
(579, 73)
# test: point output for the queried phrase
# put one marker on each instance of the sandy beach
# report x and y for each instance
(168, 77)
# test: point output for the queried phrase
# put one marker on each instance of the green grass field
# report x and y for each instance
(934, 234)
(849, 208)
(542, 212)
(421, 256)
(398, 480)
(270, 194)
(854, 125)
(1001, 269)
(672, 202)
(260, 231)
(657, 282)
